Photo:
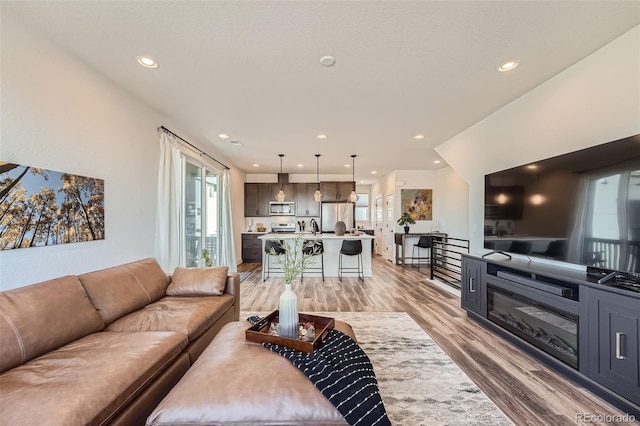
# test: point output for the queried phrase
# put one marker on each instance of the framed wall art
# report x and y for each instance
(40, 207)
(418, 203)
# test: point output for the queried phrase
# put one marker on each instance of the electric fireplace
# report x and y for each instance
(549, 329)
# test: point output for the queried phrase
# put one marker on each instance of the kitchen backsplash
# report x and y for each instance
(268, 220)
(250, 223)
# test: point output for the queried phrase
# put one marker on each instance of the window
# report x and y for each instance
(362, 207)
(612, 231)
(200, 215)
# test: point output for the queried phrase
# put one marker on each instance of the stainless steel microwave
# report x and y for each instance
(282, 208)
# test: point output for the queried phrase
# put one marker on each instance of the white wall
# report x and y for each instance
(452, 206)
(60, 115)
(416, 179)
(450, 200)
(597, 100)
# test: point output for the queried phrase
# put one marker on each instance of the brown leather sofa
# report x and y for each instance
(103, 347)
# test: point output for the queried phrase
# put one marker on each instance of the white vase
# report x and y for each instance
(288, 313)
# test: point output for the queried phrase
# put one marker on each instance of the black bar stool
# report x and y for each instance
(351, 248)
(520, 247)
(313, 248)
(423, 243)
(271, 247)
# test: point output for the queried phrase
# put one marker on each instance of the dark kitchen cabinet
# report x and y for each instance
(251, 248)
(305, 204)
(257, 197)
(614, 340)
(336, 191)
(472, 291)
(289, 189)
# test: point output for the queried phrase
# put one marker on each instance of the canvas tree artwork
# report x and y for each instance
(418, 203)
(40, 207)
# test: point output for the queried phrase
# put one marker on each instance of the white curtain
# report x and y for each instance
(167, 245)
(227, 246)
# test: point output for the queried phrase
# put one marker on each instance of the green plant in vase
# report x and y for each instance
(293, 262)
(406, 220)
(207, 258)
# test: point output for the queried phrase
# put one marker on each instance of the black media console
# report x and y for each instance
(587, 330)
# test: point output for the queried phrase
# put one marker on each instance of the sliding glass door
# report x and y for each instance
(200, 215)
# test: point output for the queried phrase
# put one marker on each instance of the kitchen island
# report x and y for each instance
(332, 244)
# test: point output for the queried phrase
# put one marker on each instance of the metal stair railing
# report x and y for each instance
(446, 259)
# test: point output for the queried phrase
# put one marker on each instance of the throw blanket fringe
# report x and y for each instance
(343, 373)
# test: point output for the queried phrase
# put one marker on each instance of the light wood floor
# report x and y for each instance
(525, 390)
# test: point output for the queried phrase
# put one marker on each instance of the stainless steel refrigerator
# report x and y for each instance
(333, 212)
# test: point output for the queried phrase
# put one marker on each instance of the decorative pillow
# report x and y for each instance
(198, 281)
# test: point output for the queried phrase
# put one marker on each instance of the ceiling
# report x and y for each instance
(252, 69)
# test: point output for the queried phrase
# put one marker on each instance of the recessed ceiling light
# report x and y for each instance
(373, 172)
(300, 165)
(322, 136)
(236, 143)
(223, 136)
(361, 181)
(327, 61)
(436, 162)
(256, 165)
(147, 61)
(508, 66)
(347, 165)
(418, 137)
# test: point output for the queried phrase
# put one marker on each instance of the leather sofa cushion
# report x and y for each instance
(42, 317)
(198, 281)
(86, 381)
(191, 316)
(236, 381)
(151, 277)
(122, 289)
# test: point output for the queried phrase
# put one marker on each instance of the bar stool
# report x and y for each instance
(423, 243)
(271, 247)
(313, 248)
(351, 248)
(520, 247)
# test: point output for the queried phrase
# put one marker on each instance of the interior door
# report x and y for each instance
(388, 231)
(377, 225)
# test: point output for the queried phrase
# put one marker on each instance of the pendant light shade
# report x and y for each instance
(354, 196)
(317, 196)
(280, 197)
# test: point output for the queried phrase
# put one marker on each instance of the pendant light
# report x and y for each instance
(354, 196)
(317, 196)
(280, 196)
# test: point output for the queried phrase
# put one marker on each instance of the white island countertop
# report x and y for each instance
(332, 244)
(309, 235)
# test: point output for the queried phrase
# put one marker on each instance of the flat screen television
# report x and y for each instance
(582, 207)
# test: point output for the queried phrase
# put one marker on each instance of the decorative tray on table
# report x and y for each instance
(312, 331)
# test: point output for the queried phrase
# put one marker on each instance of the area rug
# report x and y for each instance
(419, 383)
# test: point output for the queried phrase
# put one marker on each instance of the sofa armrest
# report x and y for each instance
(233, 288)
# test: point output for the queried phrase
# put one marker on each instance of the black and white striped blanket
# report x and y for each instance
(343, 373)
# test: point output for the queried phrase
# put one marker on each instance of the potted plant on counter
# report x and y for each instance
(406, 220)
